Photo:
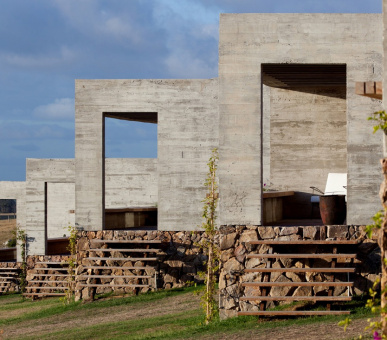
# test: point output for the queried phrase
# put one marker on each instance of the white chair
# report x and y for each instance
(336, 185)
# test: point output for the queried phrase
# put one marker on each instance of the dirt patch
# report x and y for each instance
(16, 310)
(315, 331)
(6, 228)
(170, 306)
(92, 317)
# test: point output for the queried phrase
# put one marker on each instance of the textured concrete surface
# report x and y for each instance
(287, 138)
(60, 209)
(56, 173)
(249, 40)
(131, 182)
(187, 132)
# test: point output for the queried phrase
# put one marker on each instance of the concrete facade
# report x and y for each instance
(60, 209)
(41, 175)
(130, 182)
(287, 130)
(50, 194)
(249, 41)
(187, 118)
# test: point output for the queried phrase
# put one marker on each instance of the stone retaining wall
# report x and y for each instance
(234, 249)
(13, 286)
(179, 261)
(33, 260)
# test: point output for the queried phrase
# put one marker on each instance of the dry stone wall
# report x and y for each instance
(41, 274)
(179, 261)
(12, 285)
(234, 249)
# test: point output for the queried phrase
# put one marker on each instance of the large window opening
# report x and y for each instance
(130, 170)
(59, 215)
(304, 138)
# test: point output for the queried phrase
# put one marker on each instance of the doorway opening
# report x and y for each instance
(304, 138)
(130, 170)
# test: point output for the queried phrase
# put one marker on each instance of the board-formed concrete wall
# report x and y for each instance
(308, 140)
(249, 40)
(131, 182)
(60, 209)
(308, 136)
(39, 172)
(187, 113)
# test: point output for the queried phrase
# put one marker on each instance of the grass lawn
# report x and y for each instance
(172, 314)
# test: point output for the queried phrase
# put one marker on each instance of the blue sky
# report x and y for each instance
(47, 44)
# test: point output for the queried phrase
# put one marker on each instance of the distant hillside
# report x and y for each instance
(7, 206)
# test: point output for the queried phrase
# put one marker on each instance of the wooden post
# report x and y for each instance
(332, 278)
(266, 278)
(383, 244)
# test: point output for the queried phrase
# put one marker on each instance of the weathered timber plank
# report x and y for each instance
(62, 263)
(115, 267)
(296, 284)
(121, 258)
(117, 276)
(301, 270)
(127, 241)
(296, 298)
(32, 281)
(294, 313)
(50, 268)
(57, 275)
(126, 250)
(307, 242)
(302, 256)
(108, 285)
(48, 288)
(44, 294)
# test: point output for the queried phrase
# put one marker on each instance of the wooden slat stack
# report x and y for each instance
(102, 271)
(301, 247)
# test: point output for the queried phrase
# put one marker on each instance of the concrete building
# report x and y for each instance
(283, 113)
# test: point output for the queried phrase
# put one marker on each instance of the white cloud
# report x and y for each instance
(27, 131)
(189, 26)
(89, 19)
(61, 109)
(65, 55)
(184, 65)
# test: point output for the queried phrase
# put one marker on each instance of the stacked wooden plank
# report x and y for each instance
(120, 264)
(7, 277)
(326, 251)
(47, 278)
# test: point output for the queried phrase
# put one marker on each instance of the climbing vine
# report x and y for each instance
(381, 118)
(209, 245)
(72, 265)
(21, 239)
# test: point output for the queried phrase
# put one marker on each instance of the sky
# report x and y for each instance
(46, 44)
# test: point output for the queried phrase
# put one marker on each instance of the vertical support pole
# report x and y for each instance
(332, 278)
(266, 278)
(383, 245)
(45, 218)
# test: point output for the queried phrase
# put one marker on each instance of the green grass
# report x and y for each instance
(178, 325)
(55, 307)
